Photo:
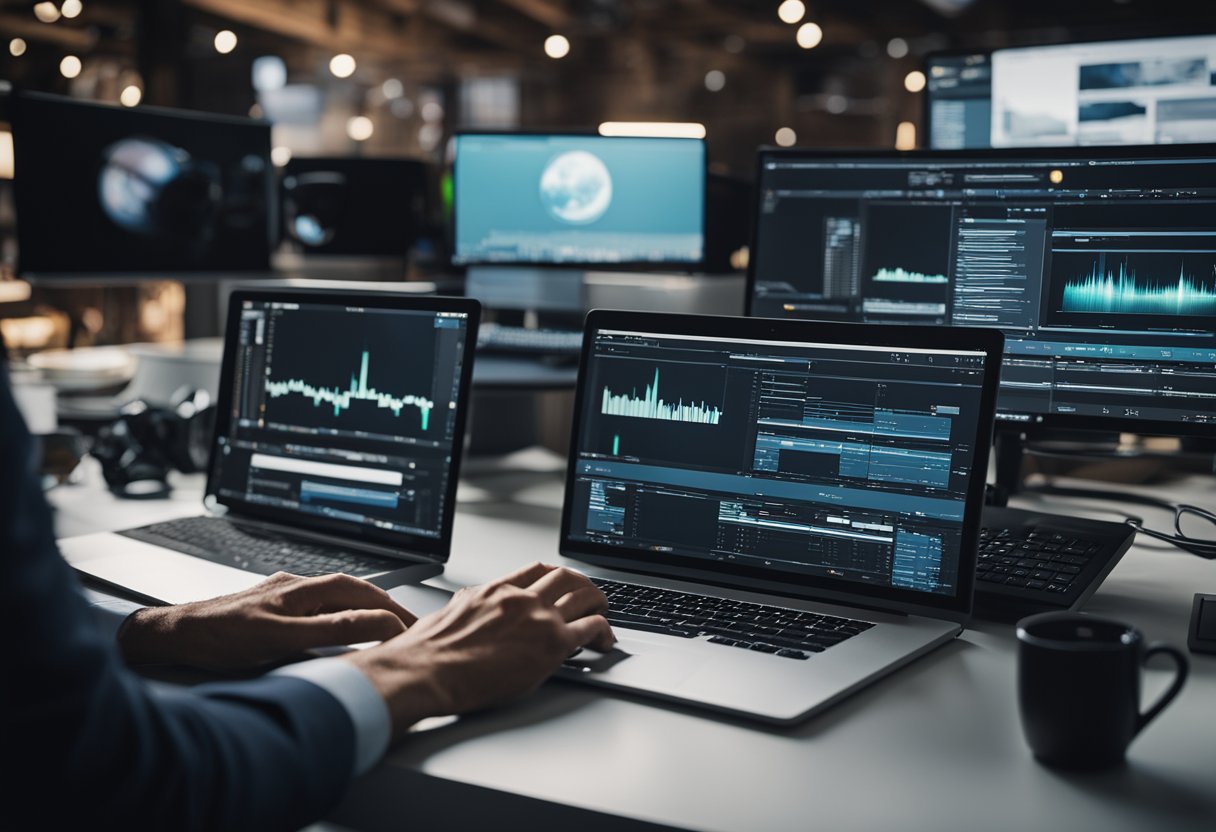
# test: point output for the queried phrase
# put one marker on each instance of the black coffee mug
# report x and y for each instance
(1079, 687)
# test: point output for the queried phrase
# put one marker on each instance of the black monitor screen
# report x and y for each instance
(1144, 91)
(1100, 270)
(359, 428)
(571, 199)
(115, 191)
(352, 206)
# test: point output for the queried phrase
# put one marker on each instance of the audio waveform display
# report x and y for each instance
(1119, 291)
(651, 406)
(898, 275)
(340, 400)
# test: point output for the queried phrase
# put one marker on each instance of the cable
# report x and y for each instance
(1201, 547)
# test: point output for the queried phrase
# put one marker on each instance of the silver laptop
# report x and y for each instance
(779, 511)
(337, 448)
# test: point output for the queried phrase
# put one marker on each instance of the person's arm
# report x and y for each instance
(270, 753)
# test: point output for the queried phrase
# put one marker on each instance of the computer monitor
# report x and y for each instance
(1099, 266)
(1143, 91)
(108, 191)
(356, 206)
(578, 200)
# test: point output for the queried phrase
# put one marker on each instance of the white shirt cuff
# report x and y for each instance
(358, 696)
(110, 613)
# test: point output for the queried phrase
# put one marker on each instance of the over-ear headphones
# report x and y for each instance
(138, 450)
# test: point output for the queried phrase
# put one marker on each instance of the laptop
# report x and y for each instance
(339, 429)
(780, 512)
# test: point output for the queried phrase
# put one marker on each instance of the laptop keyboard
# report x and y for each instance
(255, 550)
(792, 634)
(1031, 559)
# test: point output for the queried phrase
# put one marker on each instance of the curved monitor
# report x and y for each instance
(578, 200)
(1098, 265)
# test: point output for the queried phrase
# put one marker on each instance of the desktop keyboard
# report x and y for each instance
(1032, 562)
(792, 634)
(519, 340)
(261, 551)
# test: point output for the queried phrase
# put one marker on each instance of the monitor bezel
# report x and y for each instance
(678, 266)
(1036, 423)
(955, 607)
(406, 546)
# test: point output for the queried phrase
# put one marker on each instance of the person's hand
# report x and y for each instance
(489, 643)
(277, 619)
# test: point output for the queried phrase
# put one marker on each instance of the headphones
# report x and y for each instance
(138, 450)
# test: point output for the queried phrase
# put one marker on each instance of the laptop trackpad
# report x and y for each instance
(638, 659)
(420, 599)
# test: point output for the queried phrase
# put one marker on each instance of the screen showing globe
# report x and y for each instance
(579, 199)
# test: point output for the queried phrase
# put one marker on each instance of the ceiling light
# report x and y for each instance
(71, 8)
(70, 66)
(809, 35)
(360, 128)
(342, 65)
(662, 129)
(557, 46)
(791, 11)
(130, 95)
(914, 81)
(786, 137)
(16, 47)
(46, 12)
(225, 41)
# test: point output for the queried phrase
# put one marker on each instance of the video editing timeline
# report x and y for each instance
(1101, 273)
(820, 460)
(346, 412)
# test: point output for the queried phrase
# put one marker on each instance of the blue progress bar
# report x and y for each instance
(315, 491)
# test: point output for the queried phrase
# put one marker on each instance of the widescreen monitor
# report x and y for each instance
(575, 200)
(356, 206)
(141, 192)
(1143, 91)
(1100, 268)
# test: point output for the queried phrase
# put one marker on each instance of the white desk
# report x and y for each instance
(936, 746)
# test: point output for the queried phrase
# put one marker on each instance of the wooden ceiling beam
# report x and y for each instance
(20, 26)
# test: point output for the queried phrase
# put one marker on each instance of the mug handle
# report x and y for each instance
(1183, 666)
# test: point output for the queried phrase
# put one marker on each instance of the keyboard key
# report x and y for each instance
(793, 654)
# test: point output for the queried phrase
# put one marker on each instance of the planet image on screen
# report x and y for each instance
(576, 187)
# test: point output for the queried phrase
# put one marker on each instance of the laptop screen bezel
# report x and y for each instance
(393, 543)
(955, 607)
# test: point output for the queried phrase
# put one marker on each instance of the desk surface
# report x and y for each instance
(936, 745)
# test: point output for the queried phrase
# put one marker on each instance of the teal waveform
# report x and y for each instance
(340, 400)
(650, 406)
(1120, 292)
(898, 275)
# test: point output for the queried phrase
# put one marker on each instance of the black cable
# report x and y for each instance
(1204, 548)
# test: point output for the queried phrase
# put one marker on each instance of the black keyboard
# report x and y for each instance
(792, 634)
(517, 340)
(258, 550)
(1032, 562)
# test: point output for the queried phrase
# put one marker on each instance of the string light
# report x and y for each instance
(225, 41)
(130, 95)
(914, 81)
(70, 66)
(786, 137)
(360, 128)
(809, 35)
(342, 65)
(16, 47)
(71, 8)
(791, 11)
(557, 46)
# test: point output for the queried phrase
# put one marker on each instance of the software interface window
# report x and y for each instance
(579, 199)
(339, 429)
(1100, 272)
(1149, 91)
(855, 460)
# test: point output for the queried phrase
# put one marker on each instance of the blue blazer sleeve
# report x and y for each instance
(93, 743)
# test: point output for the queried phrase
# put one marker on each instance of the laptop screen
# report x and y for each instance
(816, 455)
(345, 413)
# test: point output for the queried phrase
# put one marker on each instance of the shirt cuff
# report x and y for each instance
(364, 704)
(110, 613)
